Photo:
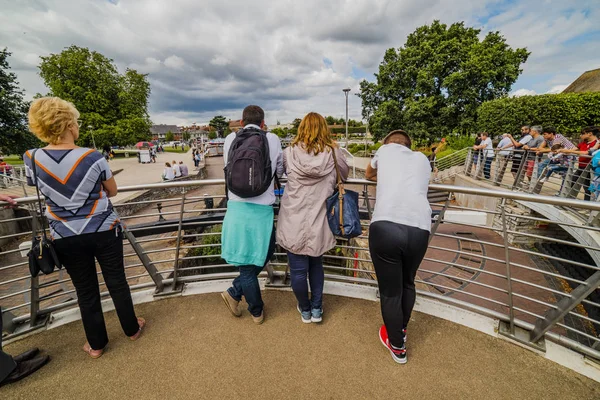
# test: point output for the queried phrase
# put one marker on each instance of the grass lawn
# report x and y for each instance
(177, 150)
(13, 160)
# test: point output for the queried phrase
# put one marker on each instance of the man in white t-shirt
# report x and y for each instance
(505, 148)
(488, 153)
(399, 233)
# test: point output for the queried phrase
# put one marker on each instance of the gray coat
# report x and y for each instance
(302, 223)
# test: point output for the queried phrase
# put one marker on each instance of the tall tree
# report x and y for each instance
(220, 124)
(434, 84)
(330, 120)
(115, 106)
(14, 135)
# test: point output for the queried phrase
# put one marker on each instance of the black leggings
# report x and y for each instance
(79, 254)
(397, 251)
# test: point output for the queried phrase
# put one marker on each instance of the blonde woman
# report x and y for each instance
(76, 183)
(302, 227)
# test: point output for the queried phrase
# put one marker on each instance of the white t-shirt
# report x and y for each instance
(505, 141)
(268, 197)
(176, 170)
(169, 173)
(488, 150)
(402, 185)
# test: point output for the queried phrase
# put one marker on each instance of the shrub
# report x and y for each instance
(567, 112)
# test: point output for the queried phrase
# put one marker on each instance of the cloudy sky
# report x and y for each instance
(209, 57)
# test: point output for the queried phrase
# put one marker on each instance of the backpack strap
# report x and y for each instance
(37, 189)
(341, 190)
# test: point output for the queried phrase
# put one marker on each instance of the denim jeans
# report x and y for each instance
(246, 284)
(487, 167)
(303, 268)
(542, 165)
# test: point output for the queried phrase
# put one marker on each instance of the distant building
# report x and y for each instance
(589, 81)
(234, 126)
(196, 132)
(159, 132)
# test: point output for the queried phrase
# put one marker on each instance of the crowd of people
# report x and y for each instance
(552, 152)
(85, 228)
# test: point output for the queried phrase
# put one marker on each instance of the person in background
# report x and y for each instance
(194, 152)
(550, 139)
(518, 146)
(248, 238)
(5, 168)
(488, 153)
(13, 369)
(198, 158)
(168, 173)
(302, 227)
(77, 184)
(183, 168)
(176, 169)
(476, 153)
(399, 233)
(531, 148)
(582, 176)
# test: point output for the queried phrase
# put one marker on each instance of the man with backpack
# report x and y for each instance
(253, 159)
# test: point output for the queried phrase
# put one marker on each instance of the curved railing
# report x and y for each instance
(487, 254)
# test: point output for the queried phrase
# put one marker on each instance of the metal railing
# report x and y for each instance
(498, 260)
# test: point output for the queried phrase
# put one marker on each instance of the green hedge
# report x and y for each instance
(568, 112)
(351, 129)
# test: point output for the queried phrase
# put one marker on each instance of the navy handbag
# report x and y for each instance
(342, 209)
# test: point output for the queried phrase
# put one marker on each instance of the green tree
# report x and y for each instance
(219, 123)
(330, 120)
(212, 135)
(186, 136)
(435, 83)
(14, 135)
(169, 136)
(296, 123)
(114, 105)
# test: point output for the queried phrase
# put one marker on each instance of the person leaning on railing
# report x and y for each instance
(582, 176)
(302, 227)
(488, 153)
(518, 145)
(399, 233)
(76, 183)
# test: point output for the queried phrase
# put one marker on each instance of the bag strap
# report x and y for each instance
(37, 189)
(341, 190)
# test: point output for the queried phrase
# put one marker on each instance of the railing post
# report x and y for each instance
(440, 217)
(175, 287)
(148, 264)
(469, 162)
(564, 306)
(522, 165)
(34, 306)
(367, 201)
(511, 310)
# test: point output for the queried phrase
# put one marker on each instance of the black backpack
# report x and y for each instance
(248, 171)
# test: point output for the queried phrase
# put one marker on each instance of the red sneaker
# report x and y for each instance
(398, 355)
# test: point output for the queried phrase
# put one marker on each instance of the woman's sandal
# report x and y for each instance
(91, 352)
(142, 324)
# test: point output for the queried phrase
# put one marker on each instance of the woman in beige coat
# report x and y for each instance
(302, 227)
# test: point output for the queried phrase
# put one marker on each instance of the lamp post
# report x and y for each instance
(91, 129)
(346, 91)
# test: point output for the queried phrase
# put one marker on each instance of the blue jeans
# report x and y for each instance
(246, 284)
(542, 165)
(301, 269)
(487, 167)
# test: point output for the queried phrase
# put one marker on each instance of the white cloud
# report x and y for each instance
(174, 62)
(557, 89)
(523, 92)
(214, 57)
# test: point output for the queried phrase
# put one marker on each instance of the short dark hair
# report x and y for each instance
(485, 133)
(253, 115)
(594, 130)
(403, 138)
(549, 129)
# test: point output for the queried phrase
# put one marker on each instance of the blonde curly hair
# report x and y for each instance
(313, 134)
(49, 118)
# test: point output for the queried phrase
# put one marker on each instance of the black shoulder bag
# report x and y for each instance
(42, 256)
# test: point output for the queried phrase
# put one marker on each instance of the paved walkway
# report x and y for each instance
(194, 349)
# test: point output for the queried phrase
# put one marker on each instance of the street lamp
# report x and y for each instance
(91, 129)
(346, 91)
